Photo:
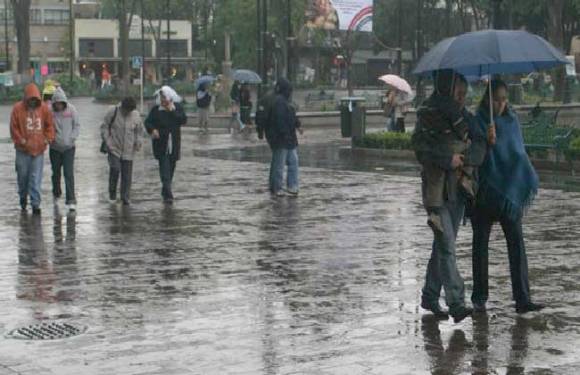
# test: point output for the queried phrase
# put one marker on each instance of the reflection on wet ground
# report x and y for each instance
(231, 281)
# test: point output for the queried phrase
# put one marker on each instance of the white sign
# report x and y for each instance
(356, 15)
(135, 29)
(571, 68)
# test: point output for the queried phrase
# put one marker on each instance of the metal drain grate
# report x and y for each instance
(47, 331)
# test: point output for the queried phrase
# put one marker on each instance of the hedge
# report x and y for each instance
(386, 140)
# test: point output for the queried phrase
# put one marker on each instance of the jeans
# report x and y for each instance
(63, 162)
(29, 171)
(167, 166)
(280, 158)
(442, 268)
(125, 169)
(482, 222)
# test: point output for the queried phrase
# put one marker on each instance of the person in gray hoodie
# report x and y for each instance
(121, 131)
(62, 150)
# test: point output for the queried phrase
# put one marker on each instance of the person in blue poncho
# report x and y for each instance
(508, 184)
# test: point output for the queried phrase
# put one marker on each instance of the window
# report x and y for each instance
(96, 47)
(35, 16)
(135, 47)
(56, 16)
(10, 17)
(177, 48)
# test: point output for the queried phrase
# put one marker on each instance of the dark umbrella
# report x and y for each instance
(247, 76)
(204, 79)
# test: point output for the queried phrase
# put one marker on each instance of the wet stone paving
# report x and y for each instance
(229, 280)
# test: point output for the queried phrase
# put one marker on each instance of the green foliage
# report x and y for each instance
(11, 95)
(386, 140)
(75, 87)
(573, 152)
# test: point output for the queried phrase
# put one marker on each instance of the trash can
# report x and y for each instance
(352, 117)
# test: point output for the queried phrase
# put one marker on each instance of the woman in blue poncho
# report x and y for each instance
(508, 185)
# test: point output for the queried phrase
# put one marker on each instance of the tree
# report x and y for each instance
(22, 22)
(556, 36)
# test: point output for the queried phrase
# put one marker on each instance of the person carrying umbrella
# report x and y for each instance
(203, 101)
(441, 142)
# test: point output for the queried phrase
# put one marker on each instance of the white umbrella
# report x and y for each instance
(398, 83)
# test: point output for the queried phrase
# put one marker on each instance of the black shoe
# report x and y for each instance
(528, 307)
(36, 211)
(126, 202)
(461, 313)
(435, 309)
(23, 204)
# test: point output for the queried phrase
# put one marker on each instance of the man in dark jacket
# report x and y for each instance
(280, 132)
(164, 125)
(442, 269)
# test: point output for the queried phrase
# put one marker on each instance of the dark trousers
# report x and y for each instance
(167, 166)
(63, 162)
(482, 222)
(124, 168)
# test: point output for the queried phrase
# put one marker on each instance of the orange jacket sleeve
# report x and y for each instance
(15, 131)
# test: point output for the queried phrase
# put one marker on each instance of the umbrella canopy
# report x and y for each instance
(397, 82)
(247, 76)
(491, 52)
(204, 79)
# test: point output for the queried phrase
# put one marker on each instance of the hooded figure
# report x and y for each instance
(281, 135)
(62, 151)
(164, 124)
(31, 129)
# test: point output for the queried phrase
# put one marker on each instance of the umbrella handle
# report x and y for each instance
(491, 136)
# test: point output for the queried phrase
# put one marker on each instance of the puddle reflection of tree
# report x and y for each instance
(451, 360)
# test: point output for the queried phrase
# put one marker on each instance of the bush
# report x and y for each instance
(11, 95)
(76, 87)
(573, 152)
(386, 141)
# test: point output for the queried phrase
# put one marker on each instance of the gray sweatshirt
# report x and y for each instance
(124, 138)
(66, 123)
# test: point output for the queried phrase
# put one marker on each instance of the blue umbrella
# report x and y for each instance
(247, 76)
(204, 79)
(490, 52)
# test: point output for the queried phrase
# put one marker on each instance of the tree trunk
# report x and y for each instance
(22, 23)
(556, 37)
(448, 11)
(124, 40)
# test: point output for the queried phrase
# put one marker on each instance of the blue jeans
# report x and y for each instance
(442, 269)
(280, 158)
(482, 222)
(63, 162)
(29, 172)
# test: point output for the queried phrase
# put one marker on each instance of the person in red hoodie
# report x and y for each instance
(31, 129)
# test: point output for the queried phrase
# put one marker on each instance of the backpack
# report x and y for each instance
(264, 113)
(204, 102)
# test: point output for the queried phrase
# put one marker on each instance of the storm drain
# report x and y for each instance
(47, 331)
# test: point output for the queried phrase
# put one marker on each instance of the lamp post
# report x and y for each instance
(71, 40)
(6, 35)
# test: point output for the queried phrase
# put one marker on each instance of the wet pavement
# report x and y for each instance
(232, 281)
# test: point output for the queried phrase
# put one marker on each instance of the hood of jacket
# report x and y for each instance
(59, 96)
(31, 91)
(284, 88)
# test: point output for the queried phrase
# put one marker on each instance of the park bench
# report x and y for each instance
(542, 133)
(320, 100)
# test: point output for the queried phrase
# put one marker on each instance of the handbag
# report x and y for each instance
(104, 148)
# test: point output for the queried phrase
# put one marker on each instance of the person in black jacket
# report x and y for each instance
(164, 125)
(281, 136)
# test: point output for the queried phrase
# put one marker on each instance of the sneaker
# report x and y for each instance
(126, 202)
(528, 307)
(435, 309)
(23, 204)
(71, 207)
(293, 193)
(279, 193)
(435, 223)
(168, 200)
(461, 313)
(36, 211)
(479, 307)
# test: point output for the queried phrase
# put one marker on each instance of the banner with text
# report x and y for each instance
(356, 15)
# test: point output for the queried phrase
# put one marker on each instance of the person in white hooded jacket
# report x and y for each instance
(62, 150)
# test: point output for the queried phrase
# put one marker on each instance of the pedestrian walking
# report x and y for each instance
(442, 269)
(246, 107)
(164, 124)
(203, 105)
(508, 185)
(121, 133)
(31, 129)
(62, 150)
(105, 78)
(398, 105)
(48, 91)
(281, 135)
(236, 123)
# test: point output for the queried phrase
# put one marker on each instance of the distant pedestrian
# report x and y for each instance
(105, 78)
(62, 150)
(398, 103)
(246, 106)
(31, 129)
(121, 132)
(203, 104)
(283, 141)
(235, 99)
(48, 92)
(164, 124)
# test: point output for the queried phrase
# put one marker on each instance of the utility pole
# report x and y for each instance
(71, 31)
(400, 38)
(7, 46)
(265, 51)
(168, 40)
(259, 44)
(289, 43)
(142, 69)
